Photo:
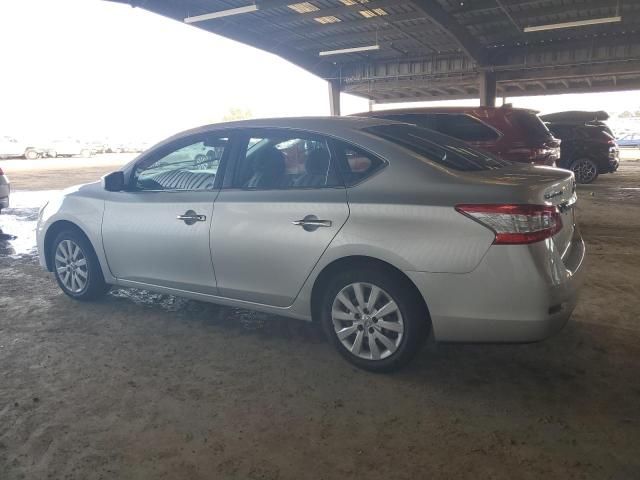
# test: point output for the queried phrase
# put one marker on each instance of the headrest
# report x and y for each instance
(317, 162)
(270, 160)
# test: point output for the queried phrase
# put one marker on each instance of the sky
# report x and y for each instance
(92, 69)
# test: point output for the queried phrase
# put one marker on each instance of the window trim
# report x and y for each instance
(245, 134)
(168, 147)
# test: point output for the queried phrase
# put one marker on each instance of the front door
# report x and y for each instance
(158, 232)
(284, 206)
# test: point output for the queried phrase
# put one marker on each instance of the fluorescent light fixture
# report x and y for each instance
(578, 23)
(303, 7)
(221, 13)
(349, 50)
(329, 19)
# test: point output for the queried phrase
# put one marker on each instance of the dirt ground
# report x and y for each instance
(152, 386)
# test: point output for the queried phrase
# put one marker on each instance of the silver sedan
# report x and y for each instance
(383, 232)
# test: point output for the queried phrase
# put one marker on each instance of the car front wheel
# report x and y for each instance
(585, 170)
(31, 155)
(375, 318)
(76, 267)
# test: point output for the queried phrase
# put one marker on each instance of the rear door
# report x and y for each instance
(279, 210)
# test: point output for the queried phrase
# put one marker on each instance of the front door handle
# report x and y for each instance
(190, 217)
(311, 223)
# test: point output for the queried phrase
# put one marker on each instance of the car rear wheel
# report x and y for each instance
(76, 267)
(585, 170)
(374, 318)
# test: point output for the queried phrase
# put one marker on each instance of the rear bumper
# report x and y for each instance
(518, 293)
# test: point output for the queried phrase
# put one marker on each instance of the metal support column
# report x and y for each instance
(488, 89)
(334, 97)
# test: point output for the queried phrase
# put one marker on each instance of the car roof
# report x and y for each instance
(332, 126)
(446, 110)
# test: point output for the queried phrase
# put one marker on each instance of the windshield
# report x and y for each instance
(437, 148)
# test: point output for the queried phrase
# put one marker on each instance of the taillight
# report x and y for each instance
(516, 224)
(544, 156)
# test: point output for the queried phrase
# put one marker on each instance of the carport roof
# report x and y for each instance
(434, 49)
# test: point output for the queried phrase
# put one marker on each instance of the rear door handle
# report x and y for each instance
(311, 223)
(190, 217)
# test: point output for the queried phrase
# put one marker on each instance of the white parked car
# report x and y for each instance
(10, 147)
(68, 148)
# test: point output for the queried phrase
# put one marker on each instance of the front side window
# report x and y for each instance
(190, 164)
(286, 161)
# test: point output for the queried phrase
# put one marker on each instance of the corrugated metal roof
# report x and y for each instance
(461, 37)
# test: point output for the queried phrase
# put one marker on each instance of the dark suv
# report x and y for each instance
(514, 134)
(587, 150)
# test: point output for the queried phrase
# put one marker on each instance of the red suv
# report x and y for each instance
(514, 134)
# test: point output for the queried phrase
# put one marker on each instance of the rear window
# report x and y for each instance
(457, 125)
(529, 122)
(435, 148)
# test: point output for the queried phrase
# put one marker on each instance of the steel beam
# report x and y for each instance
(488, 89)
(334, 97)
(448, 23)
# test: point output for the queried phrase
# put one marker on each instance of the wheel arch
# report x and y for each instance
(354, 262)
(53, 231)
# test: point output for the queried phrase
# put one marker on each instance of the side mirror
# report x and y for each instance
(113, 182)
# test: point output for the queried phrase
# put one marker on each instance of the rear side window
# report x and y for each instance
(427, 145)
(354, 164)
(457, 125)
(530, 123)
(562, 131)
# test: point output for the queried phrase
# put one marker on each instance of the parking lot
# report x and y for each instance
(143, 385)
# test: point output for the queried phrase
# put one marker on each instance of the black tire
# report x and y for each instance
(414, 315)
(95, 286)
(585, 170)
(31, 155)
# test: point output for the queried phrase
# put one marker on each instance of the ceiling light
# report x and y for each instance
(329, 19)
(221, 13)
(353, 2)
(373, 13)
(304, 7)
(349, 50)
(578, 23)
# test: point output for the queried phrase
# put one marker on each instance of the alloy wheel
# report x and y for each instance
(367, 321)
(585, 171)
(71, 266)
